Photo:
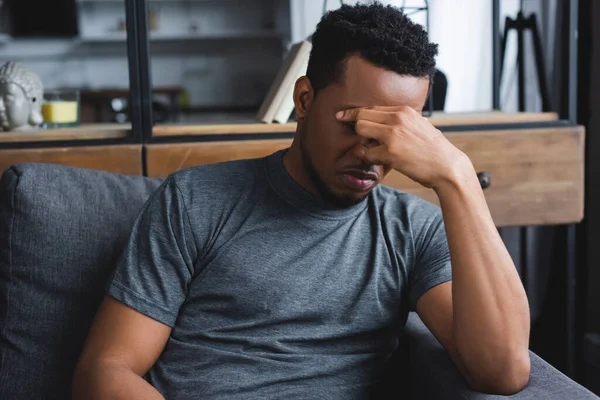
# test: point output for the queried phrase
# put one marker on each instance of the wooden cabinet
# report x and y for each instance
(164, 159)
(86, 146)
(123, 159)
(536, 175)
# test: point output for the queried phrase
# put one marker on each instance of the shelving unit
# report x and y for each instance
(224, 53)
(185, 20)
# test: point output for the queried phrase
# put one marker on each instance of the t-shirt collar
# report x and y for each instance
(294, 194)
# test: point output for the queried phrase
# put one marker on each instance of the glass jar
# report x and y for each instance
(61, 108)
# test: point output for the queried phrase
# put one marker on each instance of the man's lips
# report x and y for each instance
(359, 180)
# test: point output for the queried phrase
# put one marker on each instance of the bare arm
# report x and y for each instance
(482, 317)
(121, 347)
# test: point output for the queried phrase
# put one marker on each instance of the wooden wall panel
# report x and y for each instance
(124, 159)
(536, 175)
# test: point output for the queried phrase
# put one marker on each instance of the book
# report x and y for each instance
(287, 105)
(293, 67)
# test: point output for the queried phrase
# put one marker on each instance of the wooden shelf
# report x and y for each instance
(119, 131)
(437, 119)
(492, 117)
(222, 129)
(83, 132)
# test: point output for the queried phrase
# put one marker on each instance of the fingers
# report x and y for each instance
(381, 114)
(367, 114)
(403, 109)
(378, 155)
(372, 130)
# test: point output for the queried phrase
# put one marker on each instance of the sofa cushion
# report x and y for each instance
(61, 232)
(434, 376)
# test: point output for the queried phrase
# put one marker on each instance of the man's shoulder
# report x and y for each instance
(218, 181)
(408, 212)
(218, 171)
(390, 197)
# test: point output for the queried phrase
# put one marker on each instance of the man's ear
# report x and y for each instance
(303, 97)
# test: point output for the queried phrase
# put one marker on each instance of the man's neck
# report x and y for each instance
(294, 165)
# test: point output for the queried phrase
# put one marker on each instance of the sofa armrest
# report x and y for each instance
(434, 375)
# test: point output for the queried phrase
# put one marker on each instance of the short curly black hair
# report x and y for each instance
(382, 35)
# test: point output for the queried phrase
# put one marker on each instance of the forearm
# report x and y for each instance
(111, 381)
(491, 313)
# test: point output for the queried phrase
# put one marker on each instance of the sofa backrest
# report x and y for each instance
(61, 232)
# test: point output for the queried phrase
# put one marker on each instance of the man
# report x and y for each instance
(292, 276)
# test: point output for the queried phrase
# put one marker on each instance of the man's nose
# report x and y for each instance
(358, 151)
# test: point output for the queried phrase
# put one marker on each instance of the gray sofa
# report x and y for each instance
(61, 231)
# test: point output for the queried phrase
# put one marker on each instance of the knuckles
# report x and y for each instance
(395, 131)
(397, 118)
(359, 114)
(359, 124)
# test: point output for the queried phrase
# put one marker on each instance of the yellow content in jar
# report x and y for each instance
(60, 112)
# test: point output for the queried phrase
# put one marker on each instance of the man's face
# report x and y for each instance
(331, 150)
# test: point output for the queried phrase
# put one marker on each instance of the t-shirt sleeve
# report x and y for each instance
(157, 264)
(432, 259)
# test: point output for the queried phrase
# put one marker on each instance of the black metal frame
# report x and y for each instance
(140, 81)
(569, 114)
(588, 277)
(496, 67)
(138, 53)
(573, 336)
(522, 24)
(134, 64)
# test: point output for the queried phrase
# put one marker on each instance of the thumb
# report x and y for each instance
(346, 115)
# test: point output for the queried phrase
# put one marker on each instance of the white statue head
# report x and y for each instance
(21, 97)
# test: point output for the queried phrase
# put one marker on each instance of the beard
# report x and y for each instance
(338, 201)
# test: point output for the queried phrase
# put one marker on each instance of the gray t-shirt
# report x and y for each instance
(271, 293)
